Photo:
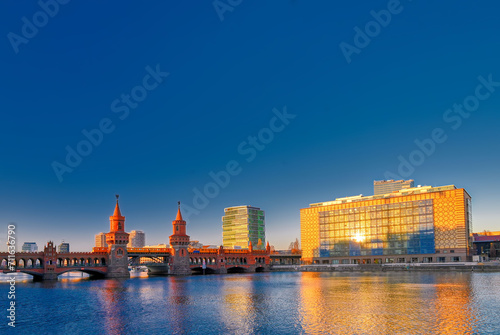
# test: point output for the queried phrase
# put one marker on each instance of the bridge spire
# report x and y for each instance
(179, 215)
(117, 207)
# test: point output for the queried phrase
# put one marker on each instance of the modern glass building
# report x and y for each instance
(388, 186)
(241, 225)
(422, 224)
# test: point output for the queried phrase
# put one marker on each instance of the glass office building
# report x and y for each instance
(241, 225)
(422, 224)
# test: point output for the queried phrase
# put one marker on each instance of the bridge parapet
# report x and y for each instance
(149, 250)
(23, 253)
(91, 253)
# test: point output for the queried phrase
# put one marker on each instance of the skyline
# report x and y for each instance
(275, 105)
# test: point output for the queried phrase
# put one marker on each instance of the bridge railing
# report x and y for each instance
(148, 250)
(194, 252)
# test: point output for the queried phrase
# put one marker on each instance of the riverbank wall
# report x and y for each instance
(442, 267)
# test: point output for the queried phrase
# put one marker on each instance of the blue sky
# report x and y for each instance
(352, 116)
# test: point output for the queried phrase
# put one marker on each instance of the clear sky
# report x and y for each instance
(333, 95)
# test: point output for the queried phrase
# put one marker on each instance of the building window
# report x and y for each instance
(455, 259)
(452, 251)
(441, 259)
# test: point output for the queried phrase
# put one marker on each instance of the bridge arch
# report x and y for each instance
(21, 264)
(36, 275)
(198, 270)
(236, 269)
(92, 272)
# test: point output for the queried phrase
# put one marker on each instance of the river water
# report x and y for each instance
(263, 303)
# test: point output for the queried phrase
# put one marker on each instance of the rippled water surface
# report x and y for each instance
(264, 303)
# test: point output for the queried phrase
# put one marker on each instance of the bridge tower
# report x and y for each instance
(49, 262)
(179, 241)
(117, 240)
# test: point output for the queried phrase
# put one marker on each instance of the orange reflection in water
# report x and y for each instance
(111, 299)
(384, 304)
(454, 310)
(238, 308)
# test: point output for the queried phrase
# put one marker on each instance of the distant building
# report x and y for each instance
(389, 186)
(242, 225)
(487, 244)
(100, 240)
(63, 247)
(195, 244)
(29, 247)
(137, 239)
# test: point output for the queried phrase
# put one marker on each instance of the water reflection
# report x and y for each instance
(383, 304)
(179, 300)
(112, 298)
(238, 314)
(266, 303)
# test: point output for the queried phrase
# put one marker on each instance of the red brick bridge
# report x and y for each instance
(113, 261)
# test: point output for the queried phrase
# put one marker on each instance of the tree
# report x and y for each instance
(294, 247)
(493, 250)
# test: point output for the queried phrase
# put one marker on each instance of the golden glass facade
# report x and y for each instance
(424, 224)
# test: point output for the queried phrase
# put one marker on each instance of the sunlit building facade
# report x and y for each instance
(419, 225)
(242, 225)
(100, 240)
